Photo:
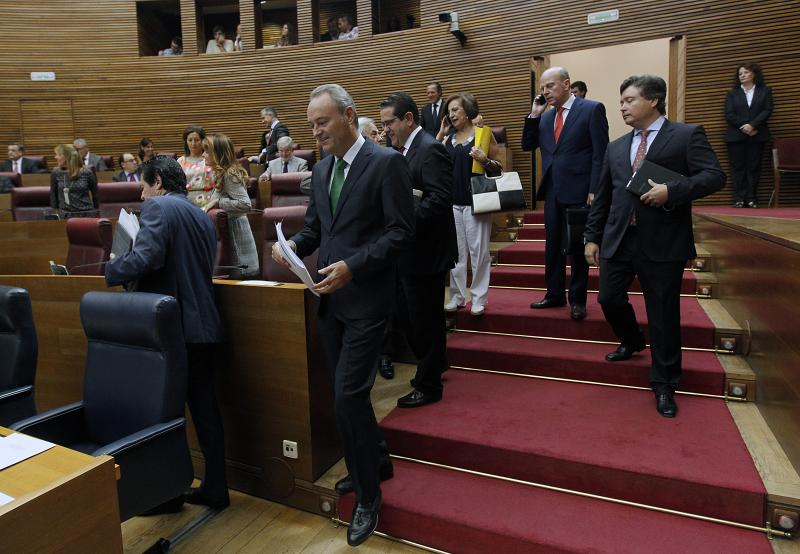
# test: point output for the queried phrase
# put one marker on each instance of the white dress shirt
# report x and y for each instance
(652, 132)
(748, 94)
(410, 139)
(348, 157)
(567, 107)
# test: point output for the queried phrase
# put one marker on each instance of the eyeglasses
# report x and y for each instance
(389, 121)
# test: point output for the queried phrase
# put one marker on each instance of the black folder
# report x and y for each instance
(638, 184)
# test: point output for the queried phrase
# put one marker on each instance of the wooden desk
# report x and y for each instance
(5, 207)
(26, 247)
(272, 381)
(64, 501)
(43, 179)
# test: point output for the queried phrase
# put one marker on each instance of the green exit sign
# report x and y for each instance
(602, 17)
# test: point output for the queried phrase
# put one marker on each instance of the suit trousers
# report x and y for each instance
(473, 233)
(202, 400)
(745, 160)
(352, 347)
(423, 318)
(555, 264)
(661, 285)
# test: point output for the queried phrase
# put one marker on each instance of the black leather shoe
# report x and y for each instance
(752, 204)
(548, 303)
(364, 521)
(169, 507)
(416, 398)
(578, 311)
(197, 496)
(624, 352)
(386, 368)
(345, 485)
(665, 404)
(739, 204)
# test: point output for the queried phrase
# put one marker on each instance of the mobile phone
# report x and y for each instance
(540, 100)
(447, 120)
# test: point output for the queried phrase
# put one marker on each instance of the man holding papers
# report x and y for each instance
(173, 253)
(361, 217)
(649, 236)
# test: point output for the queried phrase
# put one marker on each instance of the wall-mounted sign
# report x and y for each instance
(43, 75)
(602, 17)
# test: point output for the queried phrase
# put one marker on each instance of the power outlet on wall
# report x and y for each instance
(290, 449)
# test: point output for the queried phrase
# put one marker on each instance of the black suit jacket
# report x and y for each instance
(666, 231)
(372, 226)
(737, 113)
(174, 254)
(429, 123)
(269, 141)
(435, 247)
(122, 178)
(27, 166)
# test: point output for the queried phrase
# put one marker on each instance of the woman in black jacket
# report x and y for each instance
(748, 106)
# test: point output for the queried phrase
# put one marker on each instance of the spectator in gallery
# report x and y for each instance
(16, 163)
(131, 172)
(147, 150)
(287, 37)
(238, 45)
(333, 30)
(88, 157)
(367, 127)
(579, 89)
(199, 179)
(230, 183)
(73, 187)
(175, 48)
(347, 30)
(219, 43)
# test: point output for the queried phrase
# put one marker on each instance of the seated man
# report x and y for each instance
(88, 158)
(16, 163)
(175, 48)
(347, 30)
(131, 172)
(287, 162)
(333, 30)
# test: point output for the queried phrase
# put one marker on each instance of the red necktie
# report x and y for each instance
(559, 123)
(641, 151)
(401, 149)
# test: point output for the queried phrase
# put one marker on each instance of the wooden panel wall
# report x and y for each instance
(118, 97)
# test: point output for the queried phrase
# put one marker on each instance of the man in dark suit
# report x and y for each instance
(89, 158)
(361, 217)
(16, 163)
(174, 254)
(435, 250)
(269, 139)
(572, 139)
(649, 236)
(433, 112)
(131, 172)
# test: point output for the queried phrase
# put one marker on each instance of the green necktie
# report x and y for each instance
(338, 181)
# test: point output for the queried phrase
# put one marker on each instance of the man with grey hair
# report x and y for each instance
(361, 217)
(286, 162)
(572, 139)
(88, 157)
(269, 139)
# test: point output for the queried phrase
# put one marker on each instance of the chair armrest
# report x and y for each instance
(64, 425)
(12, 395)
(141, 438)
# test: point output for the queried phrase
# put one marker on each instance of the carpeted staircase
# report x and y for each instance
(557, 417)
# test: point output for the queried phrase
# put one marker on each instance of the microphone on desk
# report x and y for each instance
(58, 269)
(240, 267)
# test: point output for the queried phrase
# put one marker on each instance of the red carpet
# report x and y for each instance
(533, 217)
(583, 361)
(780, 213)
(522, 253)
(516, 276)
(530, 232)
(589, 438)
(468, 514)
(508, 311)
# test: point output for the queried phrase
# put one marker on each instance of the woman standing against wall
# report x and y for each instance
(748, 106)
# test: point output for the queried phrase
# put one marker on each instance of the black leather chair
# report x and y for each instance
(133, 398)
(18, 353)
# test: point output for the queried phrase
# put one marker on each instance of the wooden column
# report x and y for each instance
(306, 16)
(189, 27)
(247, 17)
(364, 16)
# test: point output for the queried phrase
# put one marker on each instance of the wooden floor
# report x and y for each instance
(253, 524)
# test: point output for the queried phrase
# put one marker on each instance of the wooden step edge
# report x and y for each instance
(740, 380)
(729, 336)
(780, 478)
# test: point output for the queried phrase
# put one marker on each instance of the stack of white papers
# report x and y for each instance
(18, 447)
(130, 223)
(296, 264)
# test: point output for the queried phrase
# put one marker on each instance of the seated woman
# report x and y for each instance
(73, 187)
(219, 43)
(287, 37)
(147, 150)
(199, 180)
(230, 180)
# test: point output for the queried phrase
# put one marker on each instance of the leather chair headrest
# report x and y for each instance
(119, 192)
(40, 161)
(30, 196)
(15, 178)
(15, 306)
(89, 231)
(500, 135)
(239, 151)
(288, 184)
(308, 155)
(109, 161)
(293, 218)
(100, 316)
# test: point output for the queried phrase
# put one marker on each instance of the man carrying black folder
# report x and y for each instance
(649, 235)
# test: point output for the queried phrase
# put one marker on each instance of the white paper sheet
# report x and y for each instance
(130, 223)
(18, 447)
(296, 264)
(259, 283)
(5, 499)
